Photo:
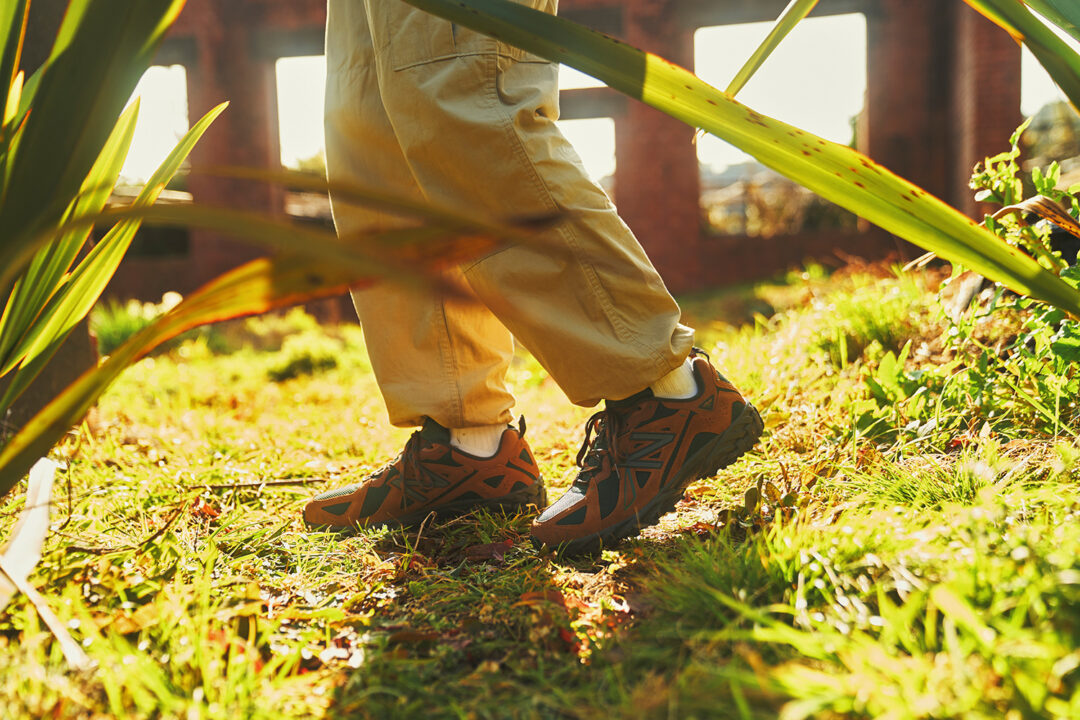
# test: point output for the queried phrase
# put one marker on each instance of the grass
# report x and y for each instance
(847, 568)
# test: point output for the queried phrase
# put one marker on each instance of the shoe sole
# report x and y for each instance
(535, 495)
(732, 444)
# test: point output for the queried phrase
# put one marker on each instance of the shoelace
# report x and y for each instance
(410, 460)
(605, 425)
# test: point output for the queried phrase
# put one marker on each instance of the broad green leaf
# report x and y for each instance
(837, 173)
(1066, 343)
(472, 236)
(11, 132)
(793, 14)
(256, 287)
(14, 99)
(90, 278)
(1053, 53)
(46, 272)
(519, 229)
(409, 255)
(102, 50)
(26, 96)
(1063, 13)
(412, 255)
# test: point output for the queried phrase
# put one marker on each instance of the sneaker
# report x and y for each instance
(431, 476)
(640, 454)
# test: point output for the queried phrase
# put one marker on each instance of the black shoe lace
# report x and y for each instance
(605, 425)
(411, 473)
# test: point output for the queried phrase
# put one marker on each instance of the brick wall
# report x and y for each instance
(944, 91)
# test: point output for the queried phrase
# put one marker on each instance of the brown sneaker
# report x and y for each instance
(431, 476)
(646, 450)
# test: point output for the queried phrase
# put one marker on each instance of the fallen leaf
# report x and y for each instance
(493, 551)
(204, 510)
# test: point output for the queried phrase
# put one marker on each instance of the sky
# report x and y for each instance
(815, 80)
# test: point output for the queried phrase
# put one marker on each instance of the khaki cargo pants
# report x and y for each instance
(432, 110)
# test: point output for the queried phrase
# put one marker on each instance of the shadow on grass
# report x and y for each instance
(470, 613)
(477, 623)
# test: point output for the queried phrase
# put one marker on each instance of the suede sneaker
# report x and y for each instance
(431, 476)
(640, 454)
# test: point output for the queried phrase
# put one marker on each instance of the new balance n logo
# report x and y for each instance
(654, 442)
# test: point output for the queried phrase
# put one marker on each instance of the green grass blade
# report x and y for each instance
(1053, 53)
(833, 171)
(27, 87)
(103, 49)
(13, 19)
(793, 14)
(256, 287)
(45, 274)
(1063, 13)
(12, 131)
(13, 14)
(90, 278)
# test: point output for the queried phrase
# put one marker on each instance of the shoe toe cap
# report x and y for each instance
(563, 520)
(332, 507)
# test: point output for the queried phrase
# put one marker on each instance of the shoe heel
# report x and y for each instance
(739, 439)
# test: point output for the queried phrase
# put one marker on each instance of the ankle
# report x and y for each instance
(679, 384)
(481, 441)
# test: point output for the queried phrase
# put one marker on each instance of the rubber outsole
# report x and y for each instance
(536, 495)
(738, 439)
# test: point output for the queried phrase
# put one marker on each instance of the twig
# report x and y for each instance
(76, 658)
(70, 499)
(137, 546)
(165, 526)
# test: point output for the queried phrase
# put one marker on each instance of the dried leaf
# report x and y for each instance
(772, 492)
(751, 499)
(204, 510)
(493, 551)
(1045, 208)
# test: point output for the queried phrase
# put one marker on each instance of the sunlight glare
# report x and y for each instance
(1037, 89)
(301, 88)
(571, 79)
(594, 140)
(163, 120)
(815, 80)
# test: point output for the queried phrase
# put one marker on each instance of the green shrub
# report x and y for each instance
(307, 353)
(114, 322)
(858, 319)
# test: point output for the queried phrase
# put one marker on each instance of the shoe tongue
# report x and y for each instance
(433, 432)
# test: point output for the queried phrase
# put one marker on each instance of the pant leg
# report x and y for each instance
(442, 359)
(475, 120)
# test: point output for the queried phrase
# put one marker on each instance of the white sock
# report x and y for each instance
(679, 384)
(482, 441)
